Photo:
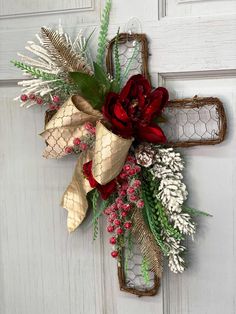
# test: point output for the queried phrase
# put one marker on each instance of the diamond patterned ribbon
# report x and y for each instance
(108, 157)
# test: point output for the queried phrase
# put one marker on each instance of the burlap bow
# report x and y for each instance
(108, 155)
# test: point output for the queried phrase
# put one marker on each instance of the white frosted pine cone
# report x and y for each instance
(170, 158)
(176, 263)
(144, 154)
(172, 194)
(183, 222)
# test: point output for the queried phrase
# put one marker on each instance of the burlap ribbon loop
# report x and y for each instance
(110, 153)
(108, 157)
(67, 124)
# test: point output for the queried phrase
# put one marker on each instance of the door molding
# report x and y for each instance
(90, 7)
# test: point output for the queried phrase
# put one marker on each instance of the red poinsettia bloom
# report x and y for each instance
(105, 190)
(132, 112)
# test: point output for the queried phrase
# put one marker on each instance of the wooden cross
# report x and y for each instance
(189, 122)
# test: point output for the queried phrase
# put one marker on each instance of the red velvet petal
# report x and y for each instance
(165, 95)
(87, 171)
(126, 90)
(110, 101)
(141, 98)
(120, 113)
(107, 189)
(152, 133)
(131, 88)
(157, 101)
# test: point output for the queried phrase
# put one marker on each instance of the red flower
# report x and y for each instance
(105, 190)
(131, 112)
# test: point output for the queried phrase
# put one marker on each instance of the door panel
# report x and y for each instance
(183, 8)
(208, 286)
(44, 6)
(43, 268)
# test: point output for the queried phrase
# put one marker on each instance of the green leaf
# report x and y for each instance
(115, 86)
(87, 40)
(101, 75)
(88, 87)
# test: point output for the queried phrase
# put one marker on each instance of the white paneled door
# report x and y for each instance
(43, 269)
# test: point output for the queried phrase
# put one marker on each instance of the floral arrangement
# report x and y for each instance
(125, 168)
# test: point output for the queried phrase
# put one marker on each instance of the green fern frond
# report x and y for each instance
(163, 218)
(156, 214)
(102, 39)
(117, 61)
(153, 222)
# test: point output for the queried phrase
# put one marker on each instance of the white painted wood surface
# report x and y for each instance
(43, 269)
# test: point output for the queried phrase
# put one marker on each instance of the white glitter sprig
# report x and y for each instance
(166, 167)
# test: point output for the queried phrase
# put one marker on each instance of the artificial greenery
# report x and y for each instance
(94, 200)
(84, 49)
(117, 74)
(151, 213)
(155, 212)
(93, 88)
(195, 212)
(145, 271)
(88, 87)
(102, 39)
(128, 248)
(163, 218)
(35, 72)
(53, 79)
(130, 63)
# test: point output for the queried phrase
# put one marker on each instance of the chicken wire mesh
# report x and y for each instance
(189, 122)
(196, 121)
(133, 55)
(130, 273)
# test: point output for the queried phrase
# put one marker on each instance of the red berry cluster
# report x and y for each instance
(55, 103)
(39, 100)
(119, 213)
(32, 97)
(80, 145)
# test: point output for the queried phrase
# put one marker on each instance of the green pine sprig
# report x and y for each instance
(99, 208)
(35, 72)
(145, 271)
(128, 249)
(195, 212)
(63, 86)
(95, 197)
(102, 39)
(117, 75)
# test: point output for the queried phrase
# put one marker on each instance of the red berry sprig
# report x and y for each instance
(119, 213)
